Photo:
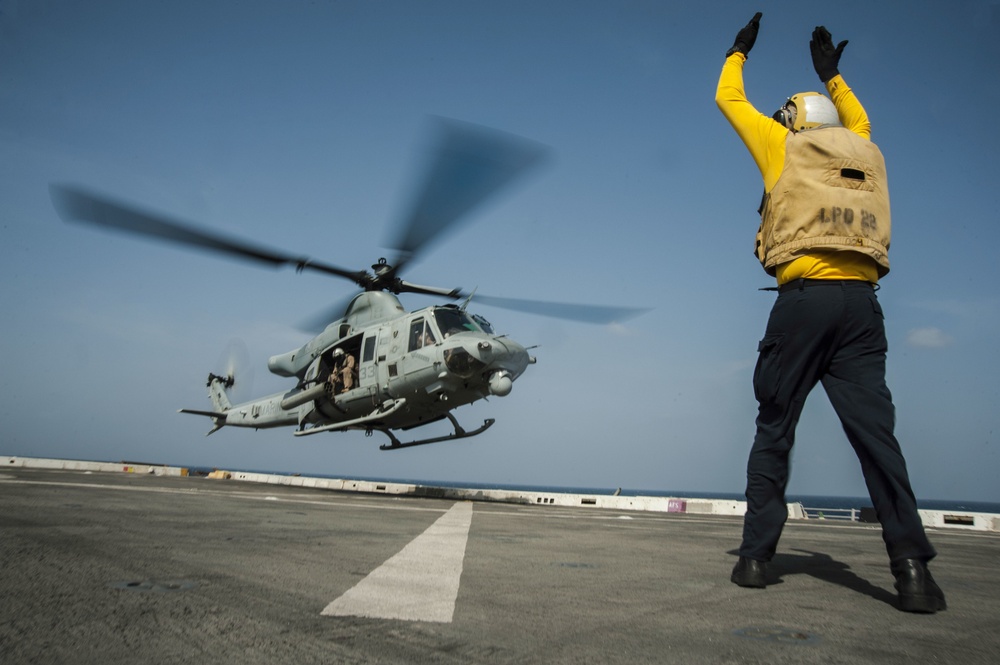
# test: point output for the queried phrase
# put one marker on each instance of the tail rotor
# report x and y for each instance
(235, 371)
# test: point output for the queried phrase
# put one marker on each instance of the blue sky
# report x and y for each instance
(301, 125)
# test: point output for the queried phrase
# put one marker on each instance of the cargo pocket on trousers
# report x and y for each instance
(767, 373)
(876, 306)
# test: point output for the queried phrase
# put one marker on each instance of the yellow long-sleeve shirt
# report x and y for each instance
(765, 139)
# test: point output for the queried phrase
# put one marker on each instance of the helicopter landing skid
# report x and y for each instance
(379, 413)
(459, 433)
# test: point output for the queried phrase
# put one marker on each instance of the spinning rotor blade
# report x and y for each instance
(562, 310)
(77, 205)
(407, 287)
(235, 364)
(598, 314)
(469, 165)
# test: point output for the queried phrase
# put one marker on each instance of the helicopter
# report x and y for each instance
(375, 366)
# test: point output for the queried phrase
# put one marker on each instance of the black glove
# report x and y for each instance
(826, 58)
(746, 37)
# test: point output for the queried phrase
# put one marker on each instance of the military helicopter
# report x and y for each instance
(378, 367)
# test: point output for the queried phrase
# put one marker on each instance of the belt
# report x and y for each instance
(803, 283)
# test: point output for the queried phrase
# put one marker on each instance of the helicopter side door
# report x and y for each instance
(368, 367)
(412, 365)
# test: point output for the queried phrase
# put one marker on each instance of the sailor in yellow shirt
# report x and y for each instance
(824, 235)
(766, 138)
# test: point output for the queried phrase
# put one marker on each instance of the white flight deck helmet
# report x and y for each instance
(807, 110)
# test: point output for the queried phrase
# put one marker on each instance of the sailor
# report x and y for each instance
(824, 235)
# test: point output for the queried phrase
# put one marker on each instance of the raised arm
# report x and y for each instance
(826, 62)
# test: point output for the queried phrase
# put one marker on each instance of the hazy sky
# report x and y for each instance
(300, 125)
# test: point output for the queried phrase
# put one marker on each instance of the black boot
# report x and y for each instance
(917, 590)
(750, 573)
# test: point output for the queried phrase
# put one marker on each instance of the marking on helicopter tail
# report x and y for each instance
(421, 582)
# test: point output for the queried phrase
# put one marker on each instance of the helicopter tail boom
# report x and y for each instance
(217, 386)
(262, 413)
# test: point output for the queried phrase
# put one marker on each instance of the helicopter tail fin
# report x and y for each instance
(217, 386)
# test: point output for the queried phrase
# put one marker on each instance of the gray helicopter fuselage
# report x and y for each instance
(411, 369)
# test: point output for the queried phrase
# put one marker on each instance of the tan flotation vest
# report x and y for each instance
(831, 195)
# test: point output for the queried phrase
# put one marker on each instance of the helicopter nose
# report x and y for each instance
(509, 356)
(497, 360)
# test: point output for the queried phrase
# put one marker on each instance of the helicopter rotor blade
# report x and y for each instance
(597, 314)
(75, 204)
(408, 287)
(470, 164)
(562, 310)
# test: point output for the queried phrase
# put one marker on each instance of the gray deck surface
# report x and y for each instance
(108, 568)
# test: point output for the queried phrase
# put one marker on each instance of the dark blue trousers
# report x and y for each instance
(830, 332)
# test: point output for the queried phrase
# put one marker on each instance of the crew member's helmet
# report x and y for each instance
(807, 110)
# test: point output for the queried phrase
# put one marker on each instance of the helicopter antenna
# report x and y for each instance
(469, 299)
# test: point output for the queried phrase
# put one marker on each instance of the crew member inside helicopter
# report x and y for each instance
(421, 335)
(342, 374)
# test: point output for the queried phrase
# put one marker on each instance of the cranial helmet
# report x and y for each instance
(807, 110)
(337, 353)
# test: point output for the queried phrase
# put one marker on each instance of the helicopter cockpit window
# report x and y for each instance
(453, 321)
(421, 334)
(484, 324)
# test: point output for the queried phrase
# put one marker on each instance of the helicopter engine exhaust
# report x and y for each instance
(500, 383)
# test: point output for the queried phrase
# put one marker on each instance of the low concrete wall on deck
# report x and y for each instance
(961, 520)
(80, 465)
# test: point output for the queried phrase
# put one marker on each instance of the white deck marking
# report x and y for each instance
(420, 583)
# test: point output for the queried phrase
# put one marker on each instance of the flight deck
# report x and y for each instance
(103, 567)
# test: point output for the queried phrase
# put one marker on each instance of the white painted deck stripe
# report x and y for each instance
(421, 582)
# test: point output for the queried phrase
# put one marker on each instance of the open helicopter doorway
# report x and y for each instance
(341, 366)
